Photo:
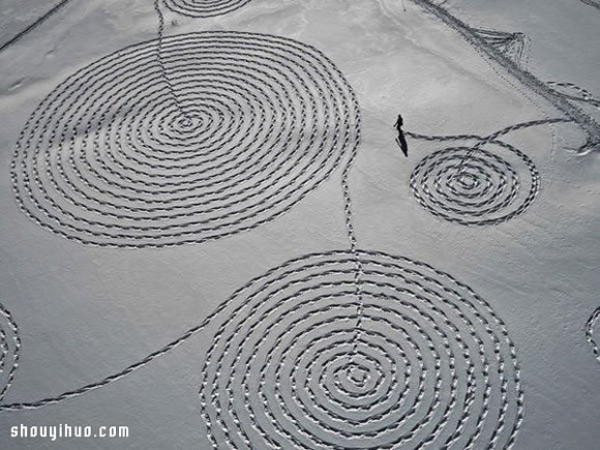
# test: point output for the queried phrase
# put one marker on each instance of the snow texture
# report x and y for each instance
(211, 235)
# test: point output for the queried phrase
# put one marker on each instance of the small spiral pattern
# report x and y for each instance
(485, 186)
(10, 346)
(433, 367)
(223, 132)
(204, 8)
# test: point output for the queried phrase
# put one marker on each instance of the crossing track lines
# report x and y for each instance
(575, 93)
(110, 158)
(511, 45)
(486, 49)
(433, 367)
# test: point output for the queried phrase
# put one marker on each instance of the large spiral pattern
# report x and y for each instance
(10, 345)
(204, 8)
(222, 133)
(433, 366)
(483, 186)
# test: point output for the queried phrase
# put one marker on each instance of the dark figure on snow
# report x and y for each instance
(400, 139)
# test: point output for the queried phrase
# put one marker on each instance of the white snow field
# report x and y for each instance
(211, 236)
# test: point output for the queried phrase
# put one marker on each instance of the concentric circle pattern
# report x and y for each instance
(204, 8)
(486, 186)
(114, 156)
(433, 367)
(10, 345)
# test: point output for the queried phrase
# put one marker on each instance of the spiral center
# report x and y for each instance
(467, 181)
(185, 122)
(358, 375)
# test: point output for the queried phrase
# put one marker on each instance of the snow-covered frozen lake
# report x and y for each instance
(210, 234)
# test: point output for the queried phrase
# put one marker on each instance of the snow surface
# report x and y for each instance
(86, 312)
